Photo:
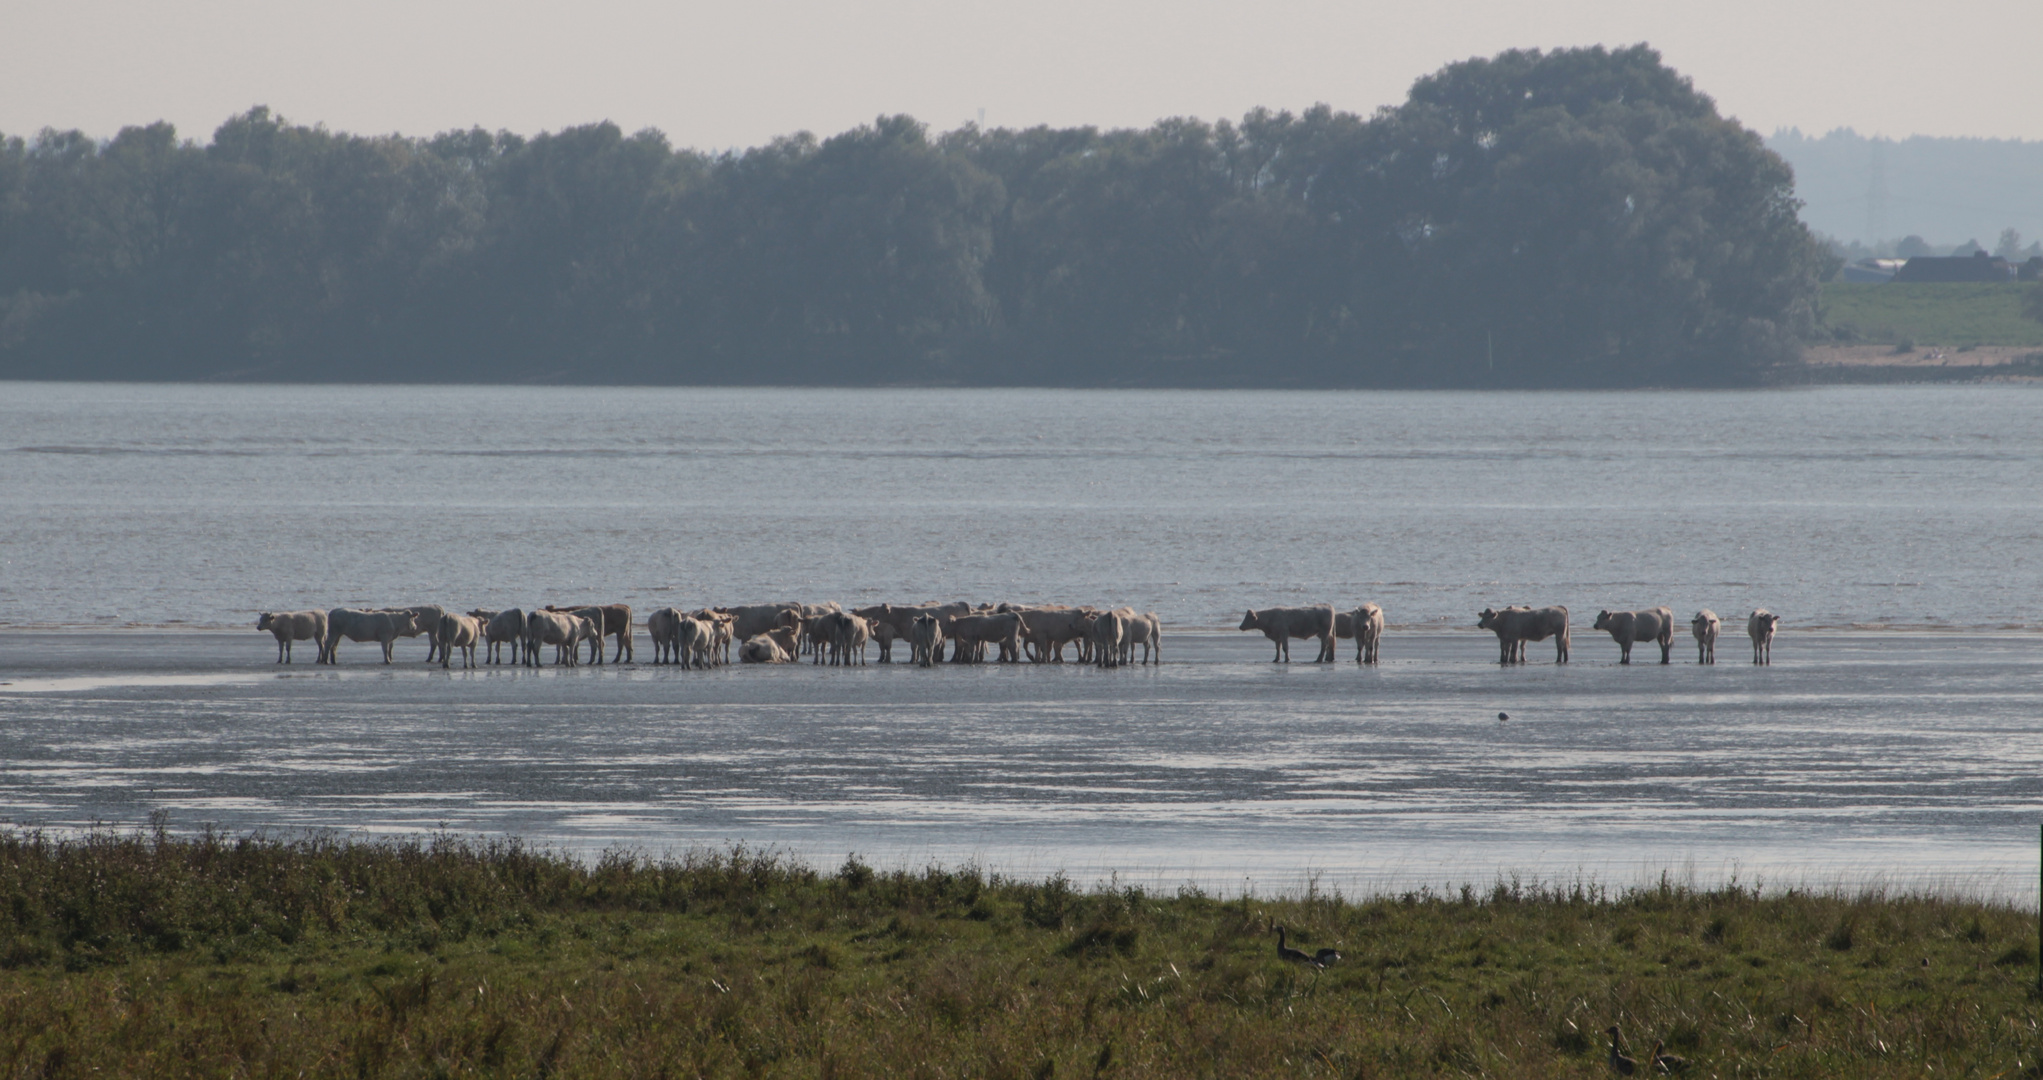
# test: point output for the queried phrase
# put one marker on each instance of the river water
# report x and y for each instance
(1896, 530)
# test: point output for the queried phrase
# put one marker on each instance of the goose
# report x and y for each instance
(1665, 1062)
(1625, 1066)
(1286, 952)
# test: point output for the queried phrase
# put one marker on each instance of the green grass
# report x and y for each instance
(145, 954)
(1944, 314)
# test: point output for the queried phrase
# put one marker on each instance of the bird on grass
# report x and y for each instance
(1623, 1065)
(1325, 958)
(1666, 1062)
(1286, 952)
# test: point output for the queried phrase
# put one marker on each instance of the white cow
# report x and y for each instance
(776, 646)
(848, 634)
(970, 634)
(1048, 628)
(722, 626)
(664, 627)
(1705, 626)
(1145, 630)
(499, 627)
(558, 629)
(428, 623)
(290, 626)
(594, 613)
(382, 627)
(698, 645)
(1628, 628)
(458, 632)
(925, 640)
(1518, 624)
(1366, 623)
(751, 620)
(891, 622)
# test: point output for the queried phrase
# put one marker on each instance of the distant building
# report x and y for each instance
(1871, 271)
(1978, 266)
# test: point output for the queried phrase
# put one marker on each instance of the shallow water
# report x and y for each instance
(205, 505)
(1905, 758)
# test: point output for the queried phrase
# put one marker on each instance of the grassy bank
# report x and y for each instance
(146, 954)
(1949, 315)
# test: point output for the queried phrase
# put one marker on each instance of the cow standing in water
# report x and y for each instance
(1365, 625)
(1628, 628)
(1705, 626)
(290, 626)
(1516, 625)
(1759, 626)
(1281, 624)
(381, 627)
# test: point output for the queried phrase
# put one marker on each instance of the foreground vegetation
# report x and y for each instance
(147, 954)
(1950, 315)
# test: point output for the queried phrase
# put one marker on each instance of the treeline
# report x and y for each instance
(1880, 194)
(1580, 217)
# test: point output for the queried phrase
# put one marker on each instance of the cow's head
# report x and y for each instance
(1602, 621)
(263, 622)
(1487, 620)
(1248, 621)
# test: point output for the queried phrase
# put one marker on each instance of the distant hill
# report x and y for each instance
(1946, 191)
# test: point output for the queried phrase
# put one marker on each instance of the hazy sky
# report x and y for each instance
(716, 75)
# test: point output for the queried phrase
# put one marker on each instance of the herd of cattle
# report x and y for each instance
(1514, 626)
(828, 633)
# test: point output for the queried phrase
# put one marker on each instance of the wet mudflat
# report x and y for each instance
(1904, 758)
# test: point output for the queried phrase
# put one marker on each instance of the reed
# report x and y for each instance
(146, 953)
